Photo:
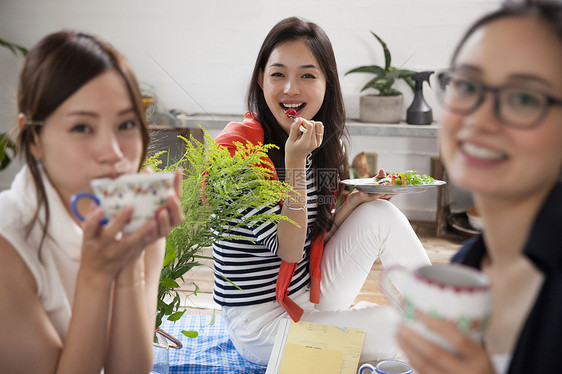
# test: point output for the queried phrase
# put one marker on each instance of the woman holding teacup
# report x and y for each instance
(501, 138)
(77, 299)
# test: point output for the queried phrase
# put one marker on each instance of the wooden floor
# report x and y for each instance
(439, 249)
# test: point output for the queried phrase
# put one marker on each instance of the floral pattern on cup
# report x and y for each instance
(450, 292)
(137, 188)
(146, 192)
(470, 325)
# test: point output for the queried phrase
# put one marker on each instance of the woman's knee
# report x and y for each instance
(376, 210)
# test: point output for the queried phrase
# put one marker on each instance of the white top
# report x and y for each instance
(501, 362)
(55, 265)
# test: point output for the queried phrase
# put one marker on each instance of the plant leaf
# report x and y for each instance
(213, 318)
(387, 57)
(196, 288)
(403, 73)
(168, 282)
(371, 83)
(15, 48)
(373, 69)
(175, 316)
(190, 334)
(170, 254)
(6, 144)
(410, 81)
(382, 85)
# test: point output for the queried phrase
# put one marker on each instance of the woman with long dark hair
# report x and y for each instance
(77, 298)
(312, 271)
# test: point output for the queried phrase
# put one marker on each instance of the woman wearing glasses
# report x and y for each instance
(501, 139)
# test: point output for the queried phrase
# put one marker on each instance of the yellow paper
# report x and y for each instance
(312, 343)
(309, 360)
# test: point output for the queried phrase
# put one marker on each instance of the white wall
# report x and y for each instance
(198, 55)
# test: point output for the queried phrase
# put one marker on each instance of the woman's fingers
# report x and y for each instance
(319, 132)
(178, 178)
(464, 356)
(92, 223)
(463, 345)
(311, 132)
(135, 242)
(295, 132)
(175, 211)
(421, 352)
(445, 329)
(116, 224)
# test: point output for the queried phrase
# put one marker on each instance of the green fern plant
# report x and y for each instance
(217, 189)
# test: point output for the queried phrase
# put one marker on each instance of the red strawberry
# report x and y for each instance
(290, 112)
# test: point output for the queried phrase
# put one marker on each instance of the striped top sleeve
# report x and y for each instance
(246, 268)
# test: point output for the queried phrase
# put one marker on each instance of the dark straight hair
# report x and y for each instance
(548, 12)
(329, 158)
(55, 68)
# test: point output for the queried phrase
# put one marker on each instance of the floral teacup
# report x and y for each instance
(451, 292)
(146, 192)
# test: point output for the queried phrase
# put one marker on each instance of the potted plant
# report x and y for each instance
(7, 146)
(217, 189)
(7, 150)
(386, 105)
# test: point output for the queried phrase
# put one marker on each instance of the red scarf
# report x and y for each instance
(250, 130)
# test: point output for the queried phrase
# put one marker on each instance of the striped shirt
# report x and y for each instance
(251, 261)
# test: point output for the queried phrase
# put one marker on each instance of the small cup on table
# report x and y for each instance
(387, 367)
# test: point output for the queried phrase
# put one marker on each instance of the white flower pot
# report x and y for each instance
(380, 109)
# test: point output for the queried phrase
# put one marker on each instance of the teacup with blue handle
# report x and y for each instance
(145, 192)
(387, 367)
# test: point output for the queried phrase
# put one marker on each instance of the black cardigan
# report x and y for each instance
(539, 346)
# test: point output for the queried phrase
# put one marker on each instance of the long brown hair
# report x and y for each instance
(328, 158)
(54, 69)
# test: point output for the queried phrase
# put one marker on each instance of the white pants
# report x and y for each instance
(374, 229)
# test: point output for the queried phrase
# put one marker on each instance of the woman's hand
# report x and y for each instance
(356, 197)
(173, 214)
(352, 201)
(301, 143)
(428, 358)
(105, 249)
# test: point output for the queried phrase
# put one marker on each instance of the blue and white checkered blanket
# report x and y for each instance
(211, 351)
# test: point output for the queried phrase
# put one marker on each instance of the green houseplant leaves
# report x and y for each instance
(15, 48)
(385, 77)
(8, 150)
(7, 146)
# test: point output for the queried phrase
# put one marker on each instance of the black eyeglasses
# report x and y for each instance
(514, 105)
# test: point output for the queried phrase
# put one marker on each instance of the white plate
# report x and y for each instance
(368, 185)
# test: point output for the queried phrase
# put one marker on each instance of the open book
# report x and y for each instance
(307, 348)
